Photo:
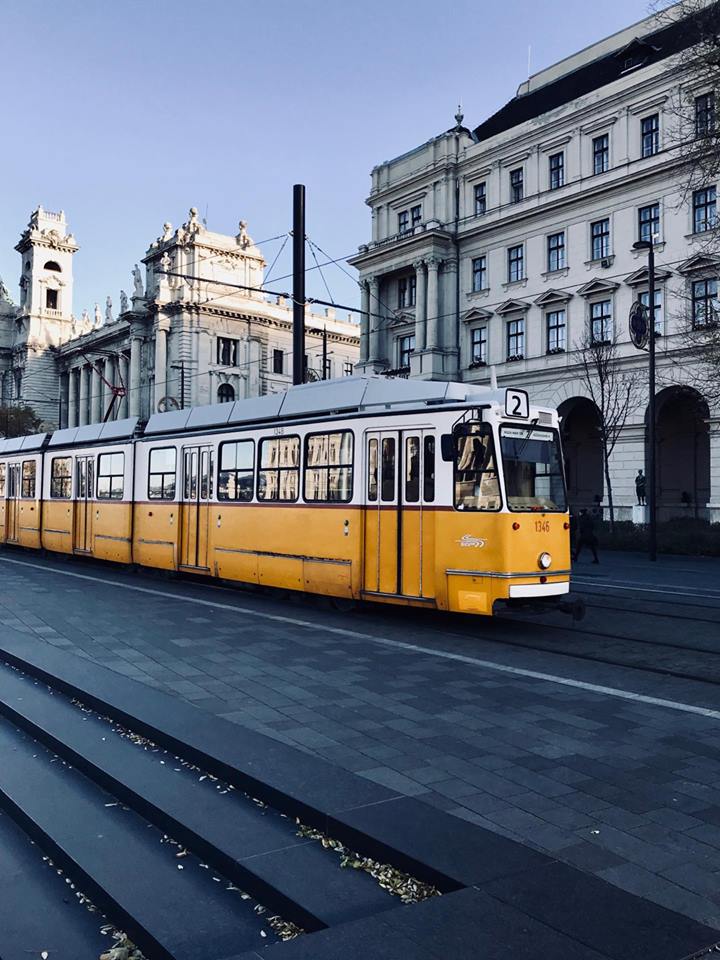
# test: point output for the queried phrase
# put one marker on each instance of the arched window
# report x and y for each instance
(53, 265)
(225, 393)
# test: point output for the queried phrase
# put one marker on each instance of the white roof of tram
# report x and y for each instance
(325, 396)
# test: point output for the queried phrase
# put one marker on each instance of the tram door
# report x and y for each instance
(84, 490)
(195, 511)
(399, 524)
(12, 505)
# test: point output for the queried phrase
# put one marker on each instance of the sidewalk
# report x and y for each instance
(635, 569)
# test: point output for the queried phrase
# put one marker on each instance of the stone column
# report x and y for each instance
(375, 319)
(420, 304)
(365, 320)
(72, 420)
(123, 368)
(160, 365)
(84, 376)
(433, 302)
(133, 384)
(96, 395)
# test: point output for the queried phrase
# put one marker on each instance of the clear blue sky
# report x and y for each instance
(125, 114)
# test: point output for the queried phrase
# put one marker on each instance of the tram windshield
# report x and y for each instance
(533, 469)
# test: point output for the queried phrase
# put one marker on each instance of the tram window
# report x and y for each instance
(329, 467)
(61, 478)
(412, 469)
(161, 481)
(28, 480)
(235, 475)
(476, 479)
(279, 474)
(110, 476)
(429, 470)
(533, 469)
(387, 481)
(2, 479)
(372, 470)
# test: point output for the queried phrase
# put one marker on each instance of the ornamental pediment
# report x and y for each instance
(640, 277)
(512, 306)
(552, 296)
(477, 313)
(402, 318)
(701, 261)
(597, 286)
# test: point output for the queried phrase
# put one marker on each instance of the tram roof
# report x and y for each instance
(344, 395)
(32, 441)
(95, 432)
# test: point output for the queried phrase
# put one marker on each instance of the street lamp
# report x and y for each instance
(652, 545)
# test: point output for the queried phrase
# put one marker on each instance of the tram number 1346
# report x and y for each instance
(542, 526)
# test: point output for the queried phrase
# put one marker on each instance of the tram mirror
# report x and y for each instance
(447, 447)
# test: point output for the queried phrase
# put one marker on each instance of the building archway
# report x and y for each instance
(582, 447)
(683, 453)
(226, 393)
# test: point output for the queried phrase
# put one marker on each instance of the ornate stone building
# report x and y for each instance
(505, 245)
(194, 330)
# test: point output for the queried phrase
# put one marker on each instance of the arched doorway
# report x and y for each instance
(580, 428)
(683, 453)
(225, 393)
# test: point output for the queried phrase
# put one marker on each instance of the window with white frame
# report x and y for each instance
(478, 345)
(704, 115)
(415, 215)
(650, 135)
(227, 352)
(406, 345)
(600, 239)
(407, 291)
(403, 221)
(704, 209)
(516, 263)
(705, 305)
(556, 251)
(601, 321)
(644, 298)
(516, 185)
(601, 153)
(516, 338)
(649, 223)
(556, 171)
(480, 198)
(555, 323)
(479, 274)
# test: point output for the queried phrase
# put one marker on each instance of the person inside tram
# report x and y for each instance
(476, 479)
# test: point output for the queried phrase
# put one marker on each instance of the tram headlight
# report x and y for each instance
(544, 561)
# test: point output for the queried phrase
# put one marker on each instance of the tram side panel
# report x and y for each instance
(156, 504)
(23, 506)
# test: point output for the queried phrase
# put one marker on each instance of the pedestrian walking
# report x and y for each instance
(586, 535)
(640, 487)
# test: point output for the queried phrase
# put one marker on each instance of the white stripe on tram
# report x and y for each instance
(395, 644)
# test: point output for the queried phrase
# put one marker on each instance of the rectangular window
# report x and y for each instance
(479, 274)
(412, 469)
(227, 352)
(601, 153)
(478, 343)
(279, 474)
(480, 198)
(347, 368)
(532, 464)
(516, 263)
(278, 361)
(163, 466)
(650, 134)
(556, 163)
(27, 490)
(429, 470)
(51, 299)
(387, 470)
(407, 287)
(235, 471)
(704, 210)
(372, 470)
(329, 467)
(476, 479)
(516, 185)
(406, 345)
(403, 221)
(61, 478)
(705, 304)
(516, 339)
(2, 479)
(649, 223)
(415, 215)
(601, 321)
(704, 115)
(111, 476)
(555, 331)
(644, 299)
(600, 239)
(556, 251)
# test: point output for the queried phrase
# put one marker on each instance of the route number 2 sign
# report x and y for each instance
(517, 404)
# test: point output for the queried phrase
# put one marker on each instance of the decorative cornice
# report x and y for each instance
(640, 277)
(597, 286)
(512, 306)
(700, 261)
(552, 296)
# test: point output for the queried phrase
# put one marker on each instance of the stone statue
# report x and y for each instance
(242, 238)
(108, 311)
(165, 263)
(123, 302)
(193, 225)
(84, 321)
(137, 281)
(4, 292)
(167, 232)
(98, 316)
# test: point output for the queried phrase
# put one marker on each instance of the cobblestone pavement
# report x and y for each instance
(607, 779)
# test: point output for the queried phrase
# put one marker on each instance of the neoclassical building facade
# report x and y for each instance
(195, 329)
(504, 245)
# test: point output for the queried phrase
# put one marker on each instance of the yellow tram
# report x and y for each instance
(444, 495)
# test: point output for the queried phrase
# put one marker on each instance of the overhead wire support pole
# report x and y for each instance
(652, 469)
(298, 283)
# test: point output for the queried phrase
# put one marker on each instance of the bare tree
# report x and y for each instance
(614, 388)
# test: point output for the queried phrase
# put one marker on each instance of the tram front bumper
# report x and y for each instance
(539, 598)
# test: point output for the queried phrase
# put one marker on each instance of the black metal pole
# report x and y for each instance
(298, 283)
(182, 384)
(652, 484)
(324, 353)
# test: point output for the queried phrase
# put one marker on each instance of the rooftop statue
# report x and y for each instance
(137, 281)
(123, 302)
